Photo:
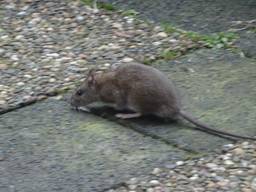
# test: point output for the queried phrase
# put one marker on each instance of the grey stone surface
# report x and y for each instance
(247, 43)
(196, 15)
(216, 86)
(219, 172)
(48, 147)
(200, 16)
(50, 49)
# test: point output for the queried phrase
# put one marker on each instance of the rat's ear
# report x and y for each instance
(91, 77)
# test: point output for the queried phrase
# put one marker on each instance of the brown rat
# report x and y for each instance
(140, 88)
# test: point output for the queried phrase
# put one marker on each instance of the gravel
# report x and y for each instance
(47, 46)
(234, 169)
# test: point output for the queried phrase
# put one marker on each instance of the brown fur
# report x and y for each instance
(134, 87)
(140, 88)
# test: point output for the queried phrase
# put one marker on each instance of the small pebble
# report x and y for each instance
(117, 25)
(20, 84)
(2, 102)
(229, 162)
(154, 182)
(28, 76)
(22, 13)
(194, 177)
(127, 59)
(106, 64)
(3, 66)
(14, 58)
(253, 183)
(157, 43)
(52, 80)
(179, 163)
(79, 18)
(132, 181)
(156, 171)
(132, 187)
(238, 151)
(59, 97)
(162, 34)
(150, 190)
(211, 165)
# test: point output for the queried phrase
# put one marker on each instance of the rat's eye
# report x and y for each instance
(79, 92)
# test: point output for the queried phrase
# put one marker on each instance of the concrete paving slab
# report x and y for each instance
(48, 147)
(218, 87)
(200, 16)
(196, 15)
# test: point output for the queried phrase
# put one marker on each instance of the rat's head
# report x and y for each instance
(87, 92)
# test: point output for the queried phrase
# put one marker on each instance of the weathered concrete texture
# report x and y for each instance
(247, 43)
(200, 16)
(196, 15)
(216, 86)
(183, 136)
(48, 147)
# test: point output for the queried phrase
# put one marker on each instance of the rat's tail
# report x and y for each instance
(205, 127)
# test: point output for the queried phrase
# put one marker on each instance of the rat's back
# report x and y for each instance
(146, 88)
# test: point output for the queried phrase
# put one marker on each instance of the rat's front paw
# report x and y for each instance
(127, 116)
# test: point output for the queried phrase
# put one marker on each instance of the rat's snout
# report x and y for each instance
(77, 101)
(79, 98)
(75, 98)
(83, 96)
